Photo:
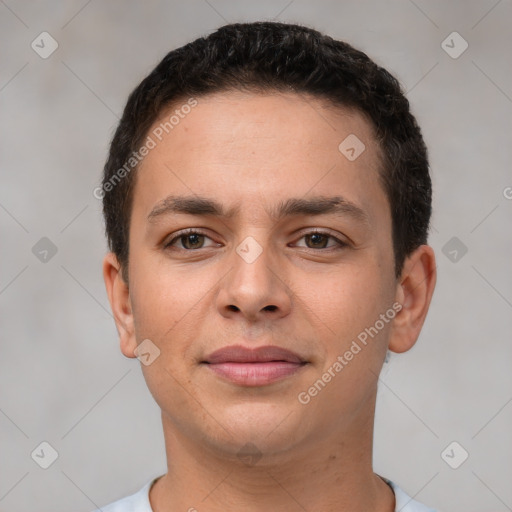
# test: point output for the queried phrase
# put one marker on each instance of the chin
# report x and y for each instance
(270, 427)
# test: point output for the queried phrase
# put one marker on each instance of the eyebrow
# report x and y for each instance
(198, 205)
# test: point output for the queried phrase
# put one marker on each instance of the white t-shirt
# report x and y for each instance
(139, 502)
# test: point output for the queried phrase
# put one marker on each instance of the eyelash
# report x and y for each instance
(193, 231)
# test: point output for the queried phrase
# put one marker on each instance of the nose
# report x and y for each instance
(255, 288)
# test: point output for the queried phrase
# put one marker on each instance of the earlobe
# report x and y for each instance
(119, 298)
(414, 293)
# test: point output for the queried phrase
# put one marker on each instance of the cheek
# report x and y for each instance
(345, 302)
(165, 289)
(348, 310)
(354, 347)
(166, 305)
(170, 303)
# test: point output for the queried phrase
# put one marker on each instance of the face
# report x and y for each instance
(251, 228)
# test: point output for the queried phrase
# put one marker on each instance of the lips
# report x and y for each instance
(240, 354)
(254, 367)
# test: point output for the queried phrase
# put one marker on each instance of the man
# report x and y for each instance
(267, 201)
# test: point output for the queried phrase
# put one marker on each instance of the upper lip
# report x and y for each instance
(241, 354)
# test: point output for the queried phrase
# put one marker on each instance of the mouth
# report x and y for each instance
(254, 367)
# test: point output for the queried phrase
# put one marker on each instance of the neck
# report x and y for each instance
(328, 474)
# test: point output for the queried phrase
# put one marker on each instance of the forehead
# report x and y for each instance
(251, 148)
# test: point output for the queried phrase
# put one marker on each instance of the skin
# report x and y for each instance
(307, 295)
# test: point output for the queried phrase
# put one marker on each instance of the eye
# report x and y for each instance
(319, 239)
(189, 239)
(192, 239)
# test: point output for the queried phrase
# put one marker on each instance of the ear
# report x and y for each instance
(120, 303)
(414, 292)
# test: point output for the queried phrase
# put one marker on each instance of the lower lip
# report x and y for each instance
(255, 374)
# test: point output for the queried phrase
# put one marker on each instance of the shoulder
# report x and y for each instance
(138, 502)
(404, 503)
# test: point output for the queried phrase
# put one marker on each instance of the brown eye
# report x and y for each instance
(193, 241)
(188, 240)
(320, 240)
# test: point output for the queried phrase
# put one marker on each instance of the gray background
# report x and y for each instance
(63, 378)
